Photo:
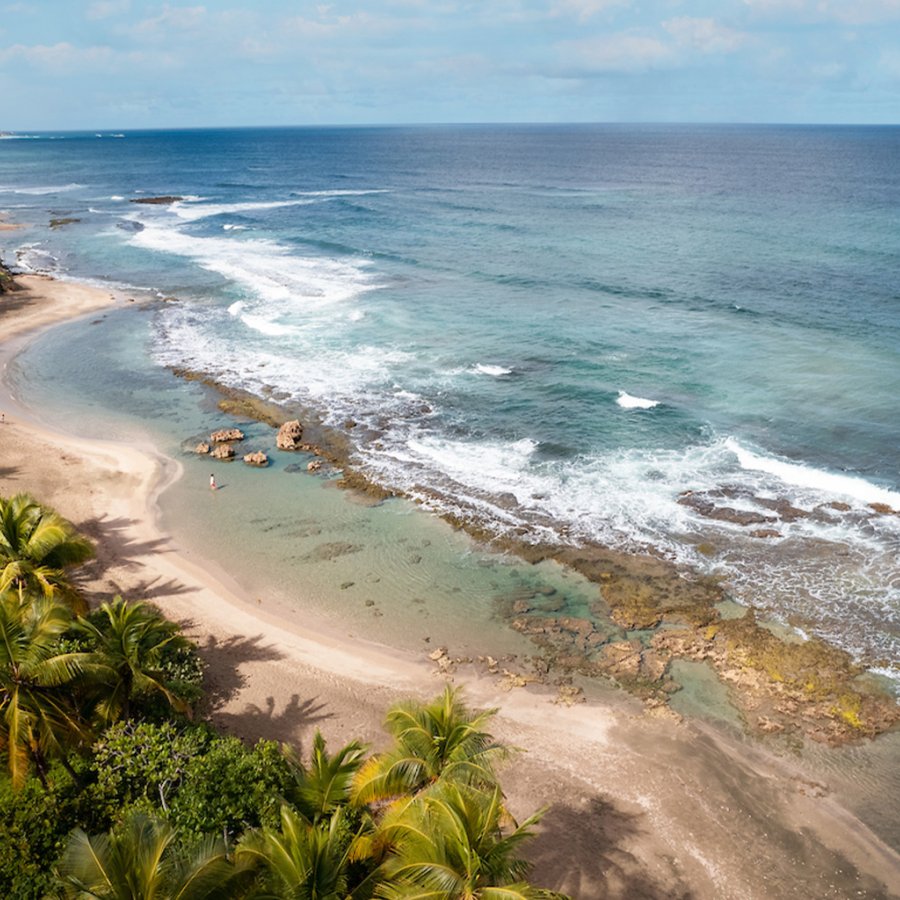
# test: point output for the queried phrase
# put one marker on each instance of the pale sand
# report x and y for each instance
(640, 807)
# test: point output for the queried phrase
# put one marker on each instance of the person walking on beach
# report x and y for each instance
(212, 482)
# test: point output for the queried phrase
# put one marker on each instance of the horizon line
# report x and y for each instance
(450, 124)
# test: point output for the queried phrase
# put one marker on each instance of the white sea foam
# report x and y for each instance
(266, 269)
(340, 193)
(117, 197)
(35, 259)
(267, 326)
(228, 226)
(627, 401)
(488, 369)
(190, 210)
(40, 190)
(827, 483)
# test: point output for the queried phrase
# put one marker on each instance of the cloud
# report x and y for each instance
(847, 12)
(704, 35)
(584, 9)
(103, 9)
(172, 20)
(64, 57)
(615, 53)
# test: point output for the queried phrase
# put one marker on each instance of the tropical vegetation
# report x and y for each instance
(113, 789)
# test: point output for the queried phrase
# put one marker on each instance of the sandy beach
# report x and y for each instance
(640, 806)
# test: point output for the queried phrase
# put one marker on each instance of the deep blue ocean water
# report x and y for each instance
(592, 319)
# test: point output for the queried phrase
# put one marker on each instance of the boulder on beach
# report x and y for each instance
(226, 434)
(257, 458)
(223, 451)
(289, 435)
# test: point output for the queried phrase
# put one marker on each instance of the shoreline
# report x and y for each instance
(659, 805)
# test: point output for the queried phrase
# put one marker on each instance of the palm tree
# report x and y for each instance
(130, 641)
(38, 718)
(301, 861)
(37, 545)
(325, 785)
(441, 739)
(449, 844)
(140, 862)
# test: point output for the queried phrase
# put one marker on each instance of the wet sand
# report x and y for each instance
(640, 805)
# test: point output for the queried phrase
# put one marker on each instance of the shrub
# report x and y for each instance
(34, 825)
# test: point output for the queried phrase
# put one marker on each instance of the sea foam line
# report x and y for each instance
(803, 476)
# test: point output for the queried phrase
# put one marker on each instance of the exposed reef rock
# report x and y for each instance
(202, 447)
(713, 505)
(257, 458)
(226, 434)
(163, 200)
(223, 451)
(289, 435)
(314, 465)
(58, 223)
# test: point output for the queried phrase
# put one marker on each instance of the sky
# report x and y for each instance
(120, 64)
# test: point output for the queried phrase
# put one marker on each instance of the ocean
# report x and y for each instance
(682, 340)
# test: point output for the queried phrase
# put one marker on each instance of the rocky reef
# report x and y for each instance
(647, 611)
(163, 200)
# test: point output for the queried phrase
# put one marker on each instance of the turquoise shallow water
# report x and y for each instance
(593, 320)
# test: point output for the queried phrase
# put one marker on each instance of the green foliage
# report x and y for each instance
(37, 545)
(230, 788)
(325, 785)
(201, 781)
(34, 824)
(130, 642)
(140, 859)
(449, 843)
(440, 739)
(141, 765)
(300, 861)
(39, 719)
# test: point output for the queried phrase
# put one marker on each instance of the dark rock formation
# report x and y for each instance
(163, 200)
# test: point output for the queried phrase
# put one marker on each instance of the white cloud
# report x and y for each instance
(849, 12)
(172, 19)
(64, 57)
(584, 9)
(704, 35)
(103, 9)
(616, 53)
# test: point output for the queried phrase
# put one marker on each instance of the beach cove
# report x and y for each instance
(660, 808)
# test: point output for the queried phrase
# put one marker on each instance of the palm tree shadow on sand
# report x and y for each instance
(582, 852)
(115, 547)
(293, 722)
